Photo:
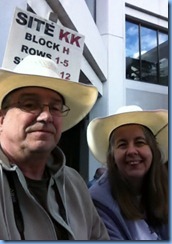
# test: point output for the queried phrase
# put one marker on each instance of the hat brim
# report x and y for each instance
(99, 130)
(79, 97)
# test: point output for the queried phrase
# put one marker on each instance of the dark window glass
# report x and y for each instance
(163, 58)
(132, 51)
(146, 54)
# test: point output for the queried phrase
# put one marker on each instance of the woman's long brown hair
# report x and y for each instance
(154, 196)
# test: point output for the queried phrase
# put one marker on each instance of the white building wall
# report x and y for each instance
(159, 7)
(111, 23)
(7, 9)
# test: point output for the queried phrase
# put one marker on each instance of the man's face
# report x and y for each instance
(28, 132)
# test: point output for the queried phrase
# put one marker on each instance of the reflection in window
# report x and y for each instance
(146, 54)
(163, 58)
(132, 51)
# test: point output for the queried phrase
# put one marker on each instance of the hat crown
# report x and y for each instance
(36, 65)
(129, 108)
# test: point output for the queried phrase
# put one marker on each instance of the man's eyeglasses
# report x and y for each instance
(35, 107)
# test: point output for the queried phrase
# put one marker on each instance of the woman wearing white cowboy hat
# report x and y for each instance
(132, 196)
(40, 197)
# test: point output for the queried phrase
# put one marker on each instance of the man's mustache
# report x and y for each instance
(41, 127)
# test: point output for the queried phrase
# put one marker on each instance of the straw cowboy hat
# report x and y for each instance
(42, 72)
(99, 129)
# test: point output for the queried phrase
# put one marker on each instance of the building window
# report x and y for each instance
(146, 54)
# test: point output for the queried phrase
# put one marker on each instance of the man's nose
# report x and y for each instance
(45, 113)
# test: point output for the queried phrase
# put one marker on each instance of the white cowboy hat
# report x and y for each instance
(99, 129)
(42, 72)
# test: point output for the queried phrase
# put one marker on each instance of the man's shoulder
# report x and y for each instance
(72, 174)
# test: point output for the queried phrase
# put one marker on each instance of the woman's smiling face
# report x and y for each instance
(133, 155)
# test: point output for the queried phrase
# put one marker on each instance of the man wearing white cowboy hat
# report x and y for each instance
(134, 145)
(40, 197)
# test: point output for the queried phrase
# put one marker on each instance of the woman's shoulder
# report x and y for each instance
(102, 184)
(100, 191)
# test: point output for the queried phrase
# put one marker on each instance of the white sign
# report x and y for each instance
(32, 35)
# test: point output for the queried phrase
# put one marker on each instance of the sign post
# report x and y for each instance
(33, 35)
